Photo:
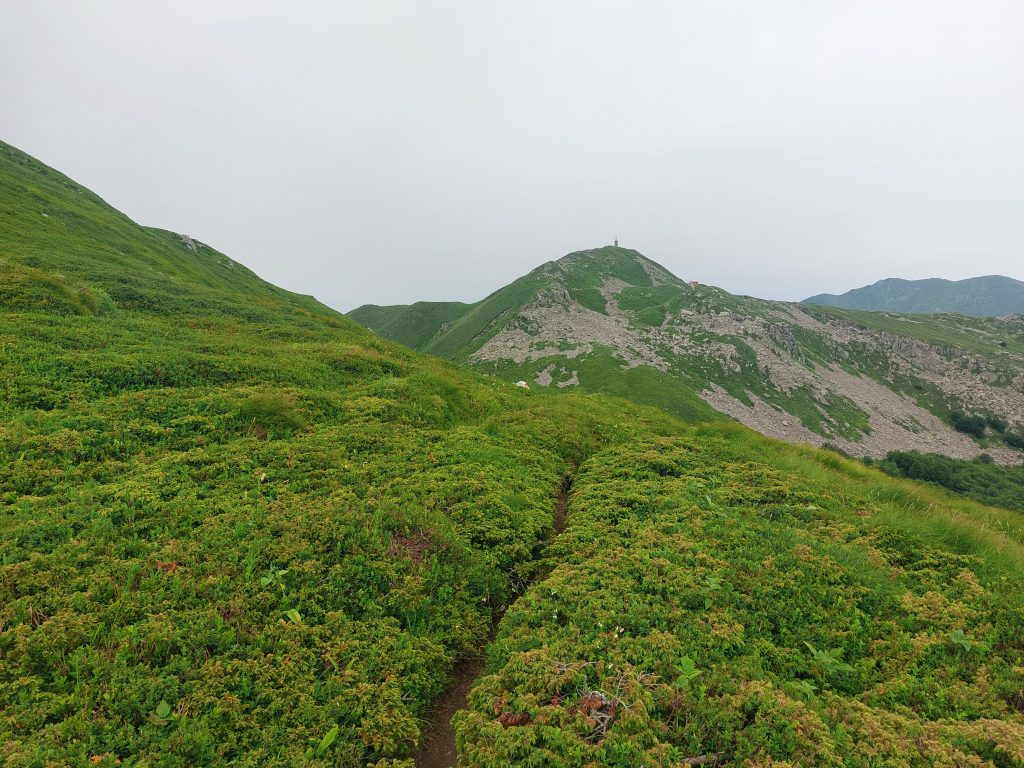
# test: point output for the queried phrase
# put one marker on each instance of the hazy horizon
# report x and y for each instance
(387, 152)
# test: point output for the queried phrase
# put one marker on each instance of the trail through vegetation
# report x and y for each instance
(238, 530)
(437, 740)
(437, 748)
(715, 599)
(562, 504)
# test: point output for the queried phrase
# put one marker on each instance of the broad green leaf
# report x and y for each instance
(327, 740)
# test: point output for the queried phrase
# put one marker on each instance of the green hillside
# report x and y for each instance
(237, 528)
(64, 249)
(428, 327)
(417, 325)
(989, 296)
(610, 320)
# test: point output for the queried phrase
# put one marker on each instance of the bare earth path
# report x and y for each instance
(437, 748)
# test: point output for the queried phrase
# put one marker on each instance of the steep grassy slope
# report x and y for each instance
(236, 528)
(64, 249)
(989, 296)
(610, 320)
(417, 324)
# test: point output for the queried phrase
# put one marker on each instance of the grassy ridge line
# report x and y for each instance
(991, 295)
(984, 336)
(59, 232)
(451, 330)
(414, 325)
(484, 319)
(707, 605)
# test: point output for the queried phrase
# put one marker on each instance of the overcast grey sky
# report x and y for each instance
(391, 150)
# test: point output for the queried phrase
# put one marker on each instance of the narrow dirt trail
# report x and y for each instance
(562, 504)
(437, 747)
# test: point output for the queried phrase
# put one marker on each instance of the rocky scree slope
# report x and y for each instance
(611, 320)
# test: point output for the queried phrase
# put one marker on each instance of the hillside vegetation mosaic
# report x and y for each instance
(610, 320)
(236, 528)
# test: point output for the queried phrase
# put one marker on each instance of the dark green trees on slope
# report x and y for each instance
(238, 529)
(980, 480)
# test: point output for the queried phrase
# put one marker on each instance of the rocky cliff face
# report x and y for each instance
(864, 382)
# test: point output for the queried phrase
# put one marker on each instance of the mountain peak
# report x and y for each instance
(611, 320)
(595, 266)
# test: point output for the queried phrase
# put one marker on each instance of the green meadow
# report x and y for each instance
(236, 528)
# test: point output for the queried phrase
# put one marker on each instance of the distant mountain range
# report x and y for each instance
(989, 296)
(610, 320)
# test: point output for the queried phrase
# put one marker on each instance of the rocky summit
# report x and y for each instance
(611, 320)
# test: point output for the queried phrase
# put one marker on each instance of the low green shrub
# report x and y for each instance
(733, 612)
(997, 423)
(270, 415)
(968, 424)
(1014, 440)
